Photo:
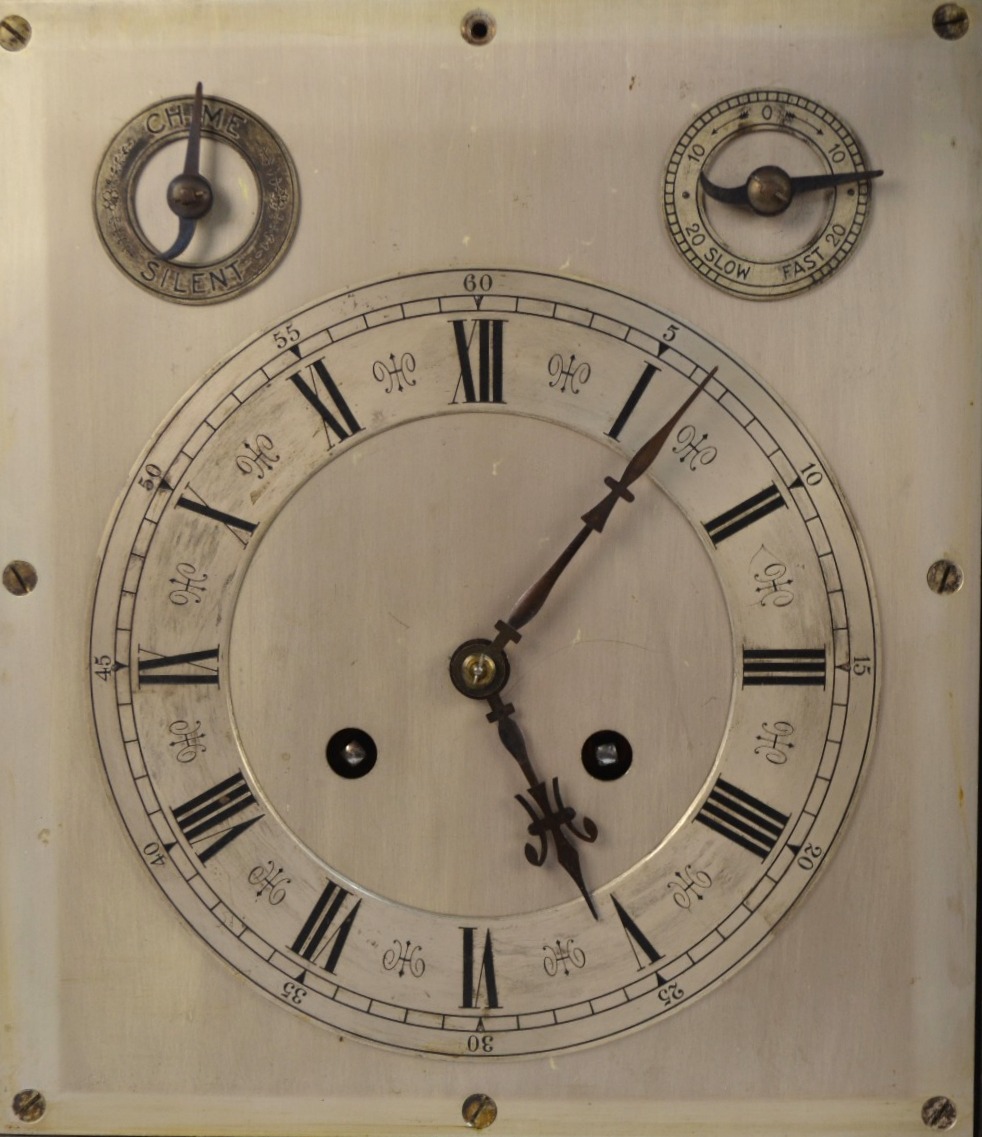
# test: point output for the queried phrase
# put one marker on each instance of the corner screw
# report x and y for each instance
(20, 578)
(939, 1113)
(950, 21)
(15, 33)
(29, 1105)
(945, 577)
(479, 1111)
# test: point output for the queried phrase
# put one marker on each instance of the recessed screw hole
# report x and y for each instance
(351, 753)
(478, 28)
(607, 755)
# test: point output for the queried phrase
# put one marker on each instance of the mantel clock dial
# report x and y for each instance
(462, 664)
(719, 624)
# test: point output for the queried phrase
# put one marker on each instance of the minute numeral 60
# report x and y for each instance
(478, 282)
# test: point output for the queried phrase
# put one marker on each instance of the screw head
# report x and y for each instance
(939, 1113)
(950, 21)
(20, 578)
(15, 33)
(29, 1105)
(945, 577)
(479, 1111)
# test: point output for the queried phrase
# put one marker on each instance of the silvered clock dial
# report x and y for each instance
(292, 680)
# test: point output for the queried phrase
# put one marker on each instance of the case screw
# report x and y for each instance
(479, 1111)
(950, 21)
(29, 1105)
(20, 578)
(15, 33)
(944, 577)
(939, 1113)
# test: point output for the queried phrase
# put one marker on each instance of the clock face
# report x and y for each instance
(369, 485)
(539, 685)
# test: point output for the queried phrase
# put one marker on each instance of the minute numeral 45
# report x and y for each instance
(490, 383)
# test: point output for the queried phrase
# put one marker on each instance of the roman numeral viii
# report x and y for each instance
(490, 383)
(203, 820)
(323, 936)
(744, 819)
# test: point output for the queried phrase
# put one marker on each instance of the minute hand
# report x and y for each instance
(595, 519)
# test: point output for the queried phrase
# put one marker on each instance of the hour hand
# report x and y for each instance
(770, 190)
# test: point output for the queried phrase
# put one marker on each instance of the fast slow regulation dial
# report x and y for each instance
(767, 193)
(196, 199)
